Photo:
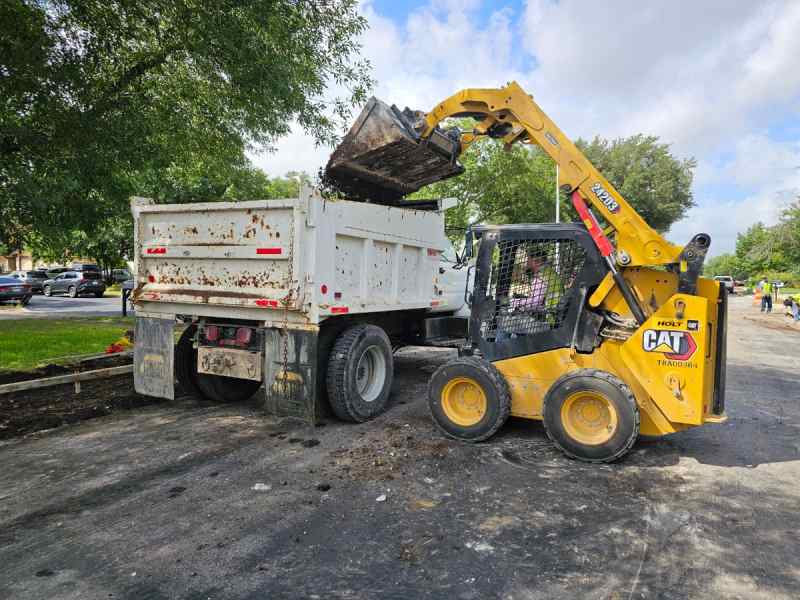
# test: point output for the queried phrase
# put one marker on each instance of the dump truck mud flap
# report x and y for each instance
(153, 357)
(290, 373)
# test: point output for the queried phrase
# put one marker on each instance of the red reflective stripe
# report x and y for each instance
(435, 302)
(156, 250)
(600, 239)
(267, 303)
(268, 250)
(432, 252)
(339, 309)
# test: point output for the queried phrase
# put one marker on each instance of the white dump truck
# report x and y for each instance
(301, 300)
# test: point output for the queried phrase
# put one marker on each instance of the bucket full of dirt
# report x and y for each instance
(383, 157)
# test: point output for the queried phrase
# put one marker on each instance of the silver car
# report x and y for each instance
(76, 283)
(727, 281)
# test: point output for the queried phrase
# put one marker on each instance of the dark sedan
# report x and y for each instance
(15, 291)
(76, 283)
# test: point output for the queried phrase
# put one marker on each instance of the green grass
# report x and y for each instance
(113, 291)
(28, 343)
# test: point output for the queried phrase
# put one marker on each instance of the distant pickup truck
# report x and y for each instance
(727, 281)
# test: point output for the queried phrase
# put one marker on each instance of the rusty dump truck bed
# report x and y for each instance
(306, 256)
(382, 157)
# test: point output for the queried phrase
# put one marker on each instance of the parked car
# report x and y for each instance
(15, 291)
(33, 278)
(85, 267)
(727, 281)
(120, 275)
(54, 272)
(76, 283)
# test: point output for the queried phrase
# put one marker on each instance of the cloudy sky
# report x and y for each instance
(717, 79)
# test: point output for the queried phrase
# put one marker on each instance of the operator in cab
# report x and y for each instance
(528, 308)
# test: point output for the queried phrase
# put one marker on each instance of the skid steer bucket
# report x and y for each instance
(382, 157)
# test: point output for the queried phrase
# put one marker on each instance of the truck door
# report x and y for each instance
(451, 281)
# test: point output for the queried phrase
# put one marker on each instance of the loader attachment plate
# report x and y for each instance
(383, 158)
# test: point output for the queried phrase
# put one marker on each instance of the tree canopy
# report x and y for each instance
(99, 97)
(110, 240)
(765, 251)
(656, 183)
(518, 185)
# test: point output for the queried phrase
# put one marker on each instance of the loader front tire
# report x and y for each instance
(469, 399)
(360, 372)
(591, 415)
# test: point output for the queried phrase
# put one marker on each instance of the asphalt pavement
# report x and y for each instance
(60, 307)
(191, 500)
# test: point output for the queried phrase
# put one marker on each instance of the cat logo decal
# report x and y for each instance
(674, 345)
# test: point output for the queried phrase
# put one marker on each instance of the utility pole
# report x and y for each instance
(558, 219)
(558, 207)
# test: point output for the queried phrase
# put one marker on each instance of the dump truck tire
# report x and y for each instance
(469, 399)
(186, 363)
(591, 415)
(227, 389)
(360, 372)
(207, 387)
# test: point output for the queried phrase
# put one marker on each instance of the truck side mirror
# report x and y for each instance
(468, 244)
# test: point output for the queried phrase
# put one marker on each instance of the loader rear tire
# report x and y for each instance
(469, 399)
(360, 372)
(591, 415)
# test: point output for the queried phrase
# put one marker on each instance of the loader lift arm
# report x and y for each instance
(510, 114)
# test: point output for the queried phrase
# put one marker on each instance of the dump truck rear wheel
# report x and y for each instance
(208, 387)
(591, 415)
(227, 389)
(469, 399)
(186, 363)
(360, 372)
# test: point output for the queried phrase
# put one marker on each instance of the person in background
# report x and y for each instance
(791, 303)
(766, 295)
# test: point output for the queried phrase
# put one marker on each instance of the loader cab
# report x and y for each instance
(532, 283)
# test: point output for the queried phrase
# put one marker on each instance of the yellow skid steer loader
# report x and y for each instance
(603, 332)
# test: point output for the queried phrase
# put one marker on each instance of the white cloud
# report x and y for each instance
(723, 219)
(761, 162)
(689, 72)
(438, 50)
(295, 152)
(769, 169)
(707, 77)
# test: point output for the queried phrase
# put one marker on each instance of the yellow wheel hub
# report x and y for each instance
(589, 418)
(464, 401)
